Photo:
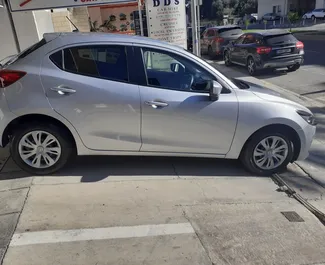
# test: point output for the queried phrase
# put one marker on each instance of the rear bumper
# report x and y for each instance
(278, 63)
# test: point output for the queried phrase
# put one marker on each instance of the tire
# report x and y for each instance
(210, 53)
(250, 161)
(251, 66)
(293, 68)
(62, 150)
(227, 59)
(304, 17)
(313, 17)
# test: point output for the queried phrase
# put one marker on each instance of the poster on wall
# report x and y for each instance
(167, 21)
(25, 5)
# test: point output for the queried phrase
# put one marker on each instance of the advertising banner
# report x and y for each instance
(24, 5)
(167, 21)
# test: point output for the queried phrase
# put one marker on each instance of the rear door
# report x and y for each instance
(235, 49)
(90, 86)
(283, 46)
(247, 48)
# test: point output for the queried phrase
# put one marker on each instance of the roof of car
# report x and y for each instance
(271, 32)
(224, 27)
(79, 37)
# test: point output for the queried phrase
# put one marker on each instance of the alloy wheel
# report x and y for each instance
(251, 66)
(227, 59)
(270, 153)
(39, 149)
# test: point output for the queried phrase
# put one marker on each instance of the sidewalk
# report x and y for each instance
(314, 165)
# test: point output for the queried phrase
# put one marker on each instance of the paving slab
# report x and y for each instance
(72, 206)
(7, 226)
(258, 234)
(12, 201)
(169, 250)
(17, 180)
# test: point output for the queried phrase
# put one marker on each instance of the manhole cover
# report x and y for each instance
(293, 217)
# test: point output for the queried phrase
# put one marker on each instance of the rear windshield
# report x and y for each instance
(26, 52)
(279, 39)
(230, 31)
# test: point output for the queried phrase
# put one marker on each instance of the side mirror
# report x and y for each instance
(176, 68)
(215, 90)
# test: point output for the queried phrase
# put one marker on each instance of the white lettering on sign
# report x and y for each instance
(24, 5)
(167, 21)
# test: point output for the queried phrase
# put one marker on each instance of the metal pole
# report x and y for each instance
(140, 17)
(11, 20)
(194, 27)
(199, 28)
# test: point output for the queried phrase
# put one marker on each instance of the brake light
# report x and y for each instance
(263, 50)
(219, 40)
(8, 77)
(300, 45)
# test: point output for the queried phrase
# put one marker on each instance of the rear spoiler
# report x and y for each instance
(51, 36)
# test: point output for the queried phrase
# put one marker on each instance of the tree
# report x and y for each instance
(218, 4)
(293, 17)
(243, 7)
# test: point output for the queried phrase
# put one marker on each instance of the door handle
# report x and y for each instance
(156, 104)
(62, 90)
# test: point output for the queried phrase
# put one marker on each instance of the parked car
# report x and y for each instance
(264, 50)
(318, 13)
(214, 39)
(106, 94)
(271, 17)
(307, 15)
(250, 18)
(190, 39)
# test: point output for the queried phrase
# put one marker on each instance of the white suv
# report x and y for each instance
(318, 13)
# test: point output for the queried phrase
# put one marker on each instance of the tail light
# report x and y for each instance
(263, 50)
(299, 45)
(8, 77)
(219, 40)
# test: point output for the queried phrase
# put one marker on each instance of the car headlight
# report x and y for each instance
(308, 117)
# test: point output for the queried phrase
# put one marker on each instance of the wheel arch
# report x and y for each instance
(33, 118)
(280, 128)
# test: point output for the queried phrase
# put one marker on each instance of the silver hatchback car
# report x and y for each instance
(101, 94)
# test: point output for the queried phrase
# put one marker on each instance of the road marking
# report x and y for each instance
(61, 236)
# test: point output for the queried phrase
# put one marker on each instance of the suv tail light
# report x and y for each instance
(300, 45)
(219, 40)
(8, 77)
(263, 50)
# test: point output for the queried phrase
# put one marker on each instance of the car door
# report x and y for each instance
(89, 86)
(235, 49)
(246, 47)
(177, 114)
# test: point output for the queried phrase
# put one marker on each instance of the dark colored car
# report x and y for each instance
(271, 17)
(190, 39)
(215, 39)
(267, 49)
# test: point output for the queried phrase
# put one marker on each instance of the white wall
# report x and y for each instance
(44, 23)
(8, 46)
(320, 4)
(266, 6)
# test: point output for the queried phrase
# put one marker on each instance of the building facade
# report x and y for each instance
(283, 7)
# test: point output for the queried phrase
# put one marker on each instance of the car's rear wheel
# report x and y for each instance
(293, 68)
(313, 17)
(210, 53)
(41, 149)
(251, 66)
(267, 152)
(227, 59)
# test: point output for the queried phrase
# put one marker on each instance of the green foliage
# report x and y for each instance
(243, 7)
(293, 17)
(218, 4)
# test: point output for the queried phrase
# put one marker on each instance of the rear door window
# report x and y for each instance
(108, 62)
(280, 39)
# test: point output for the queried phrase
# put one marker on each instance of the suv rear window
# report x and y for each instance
(230, 31)
(279, 39)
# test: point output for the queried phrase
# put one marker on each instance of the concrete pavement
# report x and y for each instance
(157, 211)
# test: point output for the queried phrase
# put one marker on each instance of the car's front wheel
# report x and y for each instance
(293, 68)
(41, 149)
(267, 153)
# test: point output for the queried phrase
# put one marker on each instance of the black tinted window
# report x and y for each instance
(56, 58)
(107, 62)
(278, 39)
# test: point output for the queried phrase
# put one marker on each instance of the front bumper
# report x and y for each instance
(279, 63)
(307, 135)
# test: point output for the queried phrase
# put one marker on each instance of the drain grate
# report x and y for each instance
(293, 217)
